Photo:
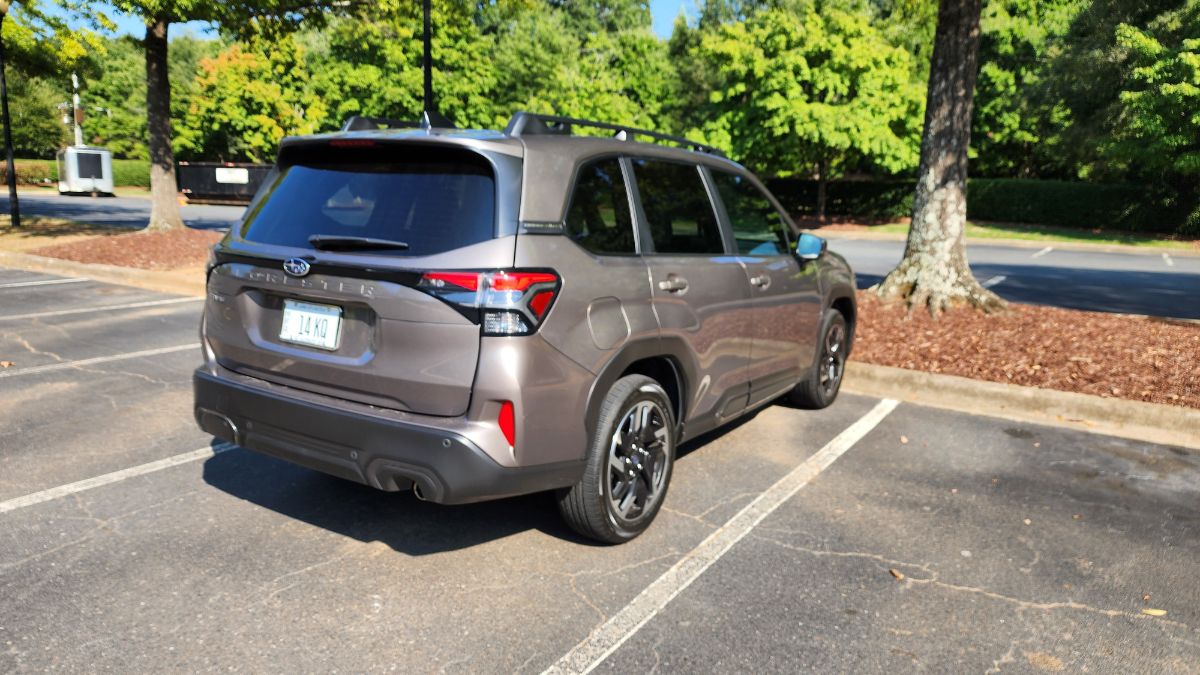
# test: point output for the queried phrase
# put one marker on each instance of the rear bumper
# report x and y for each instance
(359, 443)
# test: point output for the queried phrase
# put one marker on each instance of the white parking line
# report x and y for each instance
(994, 280)
(85, 310)
(624, 624)
(1042, 252)
(98, 359)
(42, 282)
(1167, 259)
(114, 477)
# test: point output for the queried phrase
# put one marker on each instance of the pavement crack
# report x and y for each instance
(29, 347)
(924, 567)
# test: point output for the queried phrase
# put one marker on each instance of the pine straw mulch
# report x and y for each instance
(1110, 355)
(145, 250)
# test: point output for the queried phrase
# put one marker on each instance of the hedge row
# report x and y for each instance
(1040, 202)
(126, 172)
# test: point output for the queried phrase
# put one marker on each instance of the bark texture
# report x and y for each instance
(934, 272)
(164, 199)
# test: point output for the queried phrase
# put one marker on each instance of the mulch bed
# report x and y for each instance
(145, 250)
(1109, 355)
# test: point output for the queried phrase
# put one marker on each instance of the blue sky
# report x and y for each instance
(663, 11)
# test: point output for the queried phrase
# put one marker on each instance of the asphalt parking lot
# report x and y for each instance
(867, 537)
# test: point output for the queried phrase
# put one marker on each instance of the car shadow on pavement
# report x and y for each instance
(397, 519)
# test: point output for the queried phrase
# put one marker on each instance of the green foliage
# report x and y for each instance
(37, 128)
(31, 171)
(1017, 126)
(1158, 121)
(245, 102)
(797, 88)
(1070, 204)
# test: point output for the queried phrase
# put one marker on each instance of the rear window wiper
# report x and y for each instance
(336, 242)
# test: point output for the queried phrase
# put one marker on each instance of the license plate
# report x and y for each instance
(312, 325)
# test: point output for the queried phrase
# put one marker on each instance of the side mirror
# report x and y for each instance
(810, 247)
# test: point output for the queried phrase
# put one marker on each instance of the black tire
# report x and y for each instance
(629, 464)
(819, 388)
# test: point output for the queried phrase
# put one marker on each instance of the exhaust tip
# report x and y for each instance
(417, 491)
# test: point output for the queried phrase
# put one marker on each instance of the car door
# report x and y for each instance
(785, 298)
(699, 290)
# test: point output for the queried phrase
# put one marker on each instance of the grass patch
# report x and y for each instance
(37, 231)
(1050, 234)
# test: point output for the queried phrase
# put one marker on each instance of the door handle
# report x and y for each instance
(673, 284)
(762, 281)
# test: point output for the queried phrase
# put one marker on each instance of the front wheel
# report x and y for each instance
(629, 464)
(820, 386)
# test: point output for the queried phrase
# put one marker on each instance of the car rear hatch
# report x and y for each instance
(320, 287)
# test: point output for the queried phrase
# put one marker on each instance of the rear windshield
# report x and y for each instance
(432, 200)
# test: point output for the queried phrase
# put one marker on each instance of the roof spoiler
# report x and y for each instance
(534, 124)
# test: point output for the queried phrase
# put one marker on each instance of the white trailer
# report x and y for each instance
(85, 170)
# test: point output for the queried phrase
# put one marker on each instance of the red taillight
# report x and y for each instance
(508, 423)
(540, 303)
(506, 302)
(520, 281)
(352, 143)
(462, 280)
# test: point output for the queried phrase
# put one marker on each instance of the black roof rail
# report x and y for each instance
(535, 124)
(428, 120)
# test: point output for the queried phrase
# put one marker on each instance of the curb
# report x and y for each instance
(153, 280)
(834, 235)
(1137, 420)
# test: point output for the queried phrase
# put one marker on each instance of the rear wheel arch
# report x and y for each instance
(655, 358)
(845, 304)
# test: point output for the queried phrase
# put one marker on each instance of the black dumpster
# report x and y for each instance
(220, 182)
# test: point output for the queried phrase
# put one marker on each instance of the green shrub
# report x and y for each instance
(31, 171)
(1128, 208)
(131, 172)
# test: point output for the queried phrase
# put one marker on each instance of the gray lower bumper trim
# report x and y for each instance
(380, 452)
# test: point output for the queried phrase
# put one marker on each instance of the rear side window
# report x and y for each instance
(599, 219)
(678, 210)
(757, 226)
(433, 200)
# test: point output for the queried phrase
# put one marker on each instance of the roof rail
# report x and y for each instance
(534, 124)
(428, 120)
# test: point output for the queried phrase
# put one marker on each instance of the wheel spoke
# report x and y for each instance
(627, 499)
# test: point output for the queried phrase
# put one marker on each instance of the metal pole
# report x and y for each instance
(428, 61)
(77, 115)
(13, 206)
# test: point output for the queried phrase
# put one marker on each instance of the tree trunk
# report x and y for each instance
(164, 200)
(934, 271)
(822, 183)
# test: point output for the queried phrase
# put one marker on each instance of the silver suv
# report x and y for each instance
(476, 314)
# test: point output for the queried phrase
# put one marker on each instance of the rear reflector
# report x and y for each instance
(508, 423)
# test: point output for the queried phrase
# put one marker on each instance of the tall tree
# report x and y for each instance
(933, 272)
(236, 16)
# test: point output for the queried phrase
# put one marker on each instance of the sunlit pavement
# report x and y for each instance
(938, 541)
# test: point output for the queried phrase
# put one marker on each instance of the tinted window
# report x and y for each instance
(757, 226)
(599, 218)
(433, 204)
(677, 207)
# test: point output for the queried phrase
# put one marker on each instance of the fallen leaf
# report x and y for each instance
(1028, 521)
(7, 364)
(897, 573)
(1077, 517)
(1037, 444)
(904, 439)
(1150, 611)
(1145, 597)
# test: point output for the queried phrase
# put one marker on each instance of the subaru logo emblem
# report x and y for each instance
(296, 267)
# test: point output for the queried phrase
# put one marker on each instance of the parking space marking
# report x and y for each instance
(98, 359)
(994, 280)
(85, 310)
(624, 624)
(1042, 252)
(1167, 259)
(43, 282)
(114, 477)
